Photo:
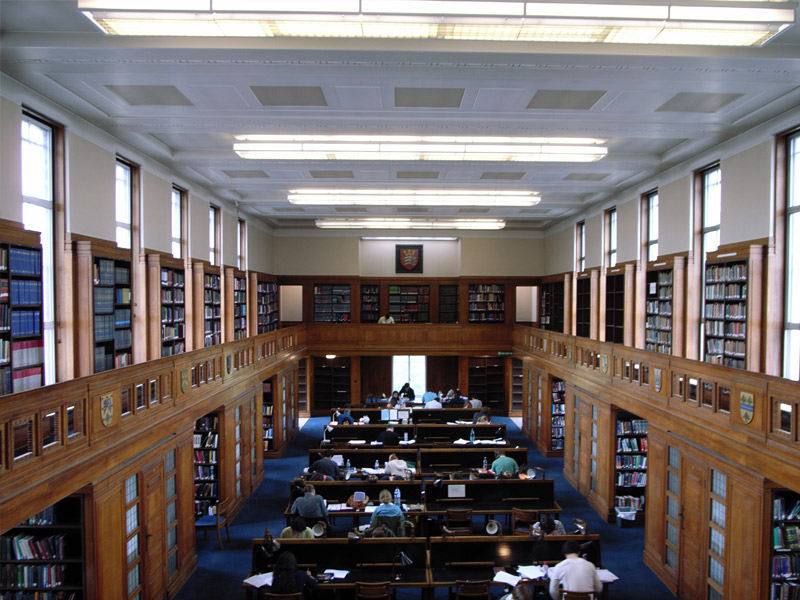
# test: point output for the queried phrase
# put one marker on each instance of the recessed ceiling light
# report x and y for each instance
(404, 223)
(396, 197)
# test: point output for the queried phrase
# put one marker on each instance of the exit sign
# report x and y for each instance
(504, 353)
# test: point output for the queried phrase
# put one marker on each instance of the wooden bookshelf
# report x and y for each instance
(487, 303)
(332, 303)
(410, 303)
(615, 308)
(44, 556)
(583, 306)
(630, 467)
(206, 464)
(113, 339)
(785, 545)
(268, 409)
(486, 381)
(551, 305)
(21, 321)
(370, 303)
(239, 306)
(558, 411)
(266, 306)
(659, 311)
(448, 303)
(331, 384)
(516, 387)
(167, 301)
(212, 308)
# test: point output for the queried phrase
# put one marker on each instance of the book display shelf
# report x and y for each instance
(43, 557)
(631, 463)
(212, 309)
(516, 386)
(410, 303)
(173, 311)
(239, 308)
(615, 308)
(552, 306)
(558, 391)
(206, 464)
(21, 341)
(266, 306)
(486, 381)
(785, 564)
(448, 304)
(725, 314)
(658, 311)
(112, 314)
(331, 383)
(332, 303)
(268, 407)
(583, 306)
(487, 303)
(370, 303)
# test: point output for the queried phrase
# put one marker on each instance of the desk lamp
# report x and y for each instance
(494, 527)
(583, 529)
(405, 561)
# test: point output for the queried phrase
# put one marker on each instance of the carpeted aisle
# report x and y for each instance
(220, 572)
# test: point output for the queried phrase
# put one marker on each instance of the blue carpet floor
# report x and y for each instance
(220, 572)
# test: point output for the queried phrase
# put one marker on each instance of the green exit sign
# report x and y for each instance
(504, 353)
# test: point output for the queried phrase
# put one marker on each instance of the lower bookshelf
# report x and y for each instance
(785, 563)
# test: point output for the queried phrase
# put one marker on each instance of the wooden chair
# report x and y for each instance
(215, 522)
(473, 590)
(381, 590)
(265, 594)
(522, 521)
(565, 595)
(458, 521)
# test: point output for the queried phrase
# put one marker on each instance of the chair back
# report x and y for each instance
(267, 595)
(522, 521)
(565, 595)
(459, 521)
(473, 590)
(381, 590)
(393, 524)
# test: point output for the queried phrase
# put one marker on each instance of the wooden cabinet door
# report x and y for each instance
(155, 583)
(693, 536)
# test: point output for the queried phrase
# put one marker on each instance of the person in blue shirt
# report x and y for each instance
(345, 417)
(387, 508)
(503, 464)
(428, 396)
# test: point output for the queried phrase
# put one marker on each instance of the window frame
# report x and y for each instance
(178, 244)
(241, 244)
(611, 237)
(580, 246)
(790, 203)
(213, 234)
(132, 193)
(651, 202)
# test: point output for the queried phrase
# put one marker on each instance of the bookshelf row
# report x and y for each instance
(630, 462)
(785, 551)
(206, 464)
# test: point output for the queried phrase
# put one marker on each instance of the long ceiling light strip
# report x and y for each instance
(403, 223)
(685, 23)
(396, 197)
(410, 148)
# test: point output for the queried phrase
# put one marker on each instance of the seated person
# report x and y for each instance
(574, 574)
(311, 507)
(297, 489)
(386, 319)
(433, 403)
(345, 418)
(297, 529)
(484, 412)
(407, 392)
(388, 437)
(475, 403)
(395, 467)
(386, 508)
(288, 579)
(325, 466)
(522, 591)
(503, 464)
(428, 396)
(482, 419)
(547, 525)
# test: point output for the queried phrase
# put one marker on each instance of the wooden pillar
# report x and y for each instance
(594, 318)
(84, 326)
(678, 305)
(569, 304)
(630, 304)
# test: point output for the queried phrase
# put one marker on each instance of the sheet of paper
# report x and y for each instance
(376, 443)
(606, 576)
(460, 442)
(370, 509)
(357, 442)
(258, 580)
(503, 577)
(337, 574)
(405, 442)
(531, 571)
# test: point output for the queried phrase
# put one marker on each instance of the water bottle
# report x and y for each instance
(347, 466)
(485, 463)
(397, 496)
(545, 571)
(377, 464)
(405, 436)
(472, 435)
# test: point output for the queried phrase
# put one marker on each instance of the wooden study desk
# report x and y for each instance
(426, 433)
(416, 414)
(491, 496)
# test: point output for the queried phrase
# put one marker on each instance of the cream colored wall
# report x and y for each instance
(439, 258)
(90, 189)
(527, 303)
(747, 206)
(260, 251)
(156, 213)
(198, 228)
(501, 257)
(559, 251)
(316, 256)
(594, 241)
(674, 217)
(290, 298)
(628, 231)
(229, 225)
(11, 163)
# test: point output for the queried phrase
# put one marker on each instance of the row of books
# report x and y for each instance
(324, 317)
(779, 512)
(558, 408)
(123, 295)
(726, 291)
(332, 289)
(206, 490)
(212, 312)
(211, 297)
(172, 313)
(205, 455)
(786, 536)
(104, 272)
(170, 349)
(786, 565)
(718, 359)
(658, 337)
(662, 348)
(400, 298)
(239, 297)
(558, 421)
(727, 347)
(487, 305)
(212, 339)
(487, 298)
(173, 296)
(239, 283)
(32, 576)
(265, 286)
(172, 277)
(787, 590)
(723, 329)
(331, 299)
(172, 332)
(486, 289)
(726, 272)
(23, 353)
(637, 426)
(631, 444)
(636, 502)
(557, 432)
(659, 307)
(23, 261)
(557, 444)
(26, 292)
(29, 547)
(27, 379)
(103, 300)
(407, 289)
(476, 317)
(631, 479)
(211, 281)
(239, 310)
(631, 461)
(718, 310)
(26, 323)
(205, 472)
(212, 326)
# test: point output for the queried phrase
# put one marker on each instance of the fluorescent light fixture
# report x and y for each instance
(690, 22)
(387, 238)
(404, 223)
(411, 148)
(330, 356)
(395, 197)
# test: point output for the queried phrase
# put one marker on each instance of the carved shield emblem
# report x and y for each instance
(184, 380)
(409, 258)
(229, 363)
(746, 407)
(657, 379)
(604, 363)
(106, 409)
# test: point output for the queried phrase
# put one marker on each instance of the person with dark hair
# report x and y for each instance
(388, 437)
(547, 525)
(311, 507)
(297, 529)
(345, 418)
(297, 489)
(325, 466)
(395, 467)
(573, 574)
(407, 391)
(288, 579)
(522, 591)
(484, 412)
(503, 464)
(386, 319)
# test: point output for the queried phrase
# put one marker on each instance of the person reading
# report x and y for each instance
(386, 511)
(288, 579)
(547, 525)
(389, 437)
(573, 574)
(345, 418)
(503, 464)
(325, 466)
(311, 507)
(297, 530)
(395, 467)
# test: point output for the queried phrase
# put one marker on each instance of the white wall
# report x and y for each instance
(559, 251)
(91, 176)
(439, 258)
(675, 217)
(747, 195)
(527, 303)
(501, 257)
(628, 231)
(11, 163)
(594, 241)
(156, 213)
(198, 228)
(290, 298)
(316, 256)
(260, 250)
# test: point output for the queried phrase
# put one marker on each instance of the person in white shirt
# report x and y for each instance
(386, 319)
(433, 403)
(573, 574)
(395, 467)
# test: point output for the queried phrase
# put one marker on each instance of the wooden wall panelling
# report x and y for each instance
(376, 376)
(630, 303)
(442, 373)
(655, 545)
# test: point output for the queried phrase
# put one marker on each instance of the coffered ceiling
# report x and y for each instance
(182, 100)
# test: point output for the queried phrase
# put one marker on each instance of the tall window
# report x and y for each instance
(652, 226)
(409, 369)
(37, 215)
(580, 241)
(712, 209)
(241, 244)
(177, 222)
(124, 199)
(611, 220)
(791, 346)
(213, 234)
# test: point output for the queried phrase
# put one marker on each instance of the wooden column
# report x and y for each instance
(631, 302)
(679, 306)
(594, 320)
(569, 304)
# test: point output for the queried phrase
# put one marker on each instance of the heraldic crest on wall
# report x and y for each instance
(106, 409)
(408, 259)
